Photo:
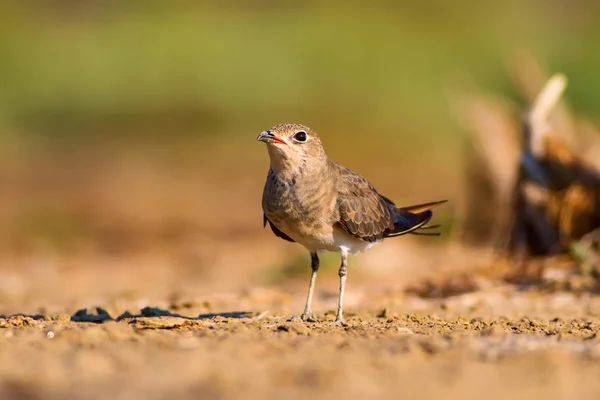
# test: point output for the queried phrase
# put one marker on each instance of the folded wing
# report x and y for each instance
(367, 215)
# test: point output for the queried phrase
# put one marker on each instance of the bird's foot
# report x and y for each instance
(338, 322)
(306, 317)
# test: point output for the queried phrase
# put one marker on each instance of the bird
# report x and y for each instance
(313, 201)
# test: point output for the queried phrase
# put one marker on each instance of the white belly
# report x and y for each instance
(349, 244)
(336, 240)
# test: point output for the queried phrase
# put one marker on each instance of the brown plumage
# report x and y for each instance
(314, 201)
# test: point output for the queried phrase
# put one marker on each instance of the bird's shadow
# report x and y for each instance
(100, 315)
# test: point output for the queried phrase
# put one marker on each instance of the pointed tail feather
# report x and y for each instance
(426, 233)
(427, 228)
(422, 207)
(430, 227)
(414, 219)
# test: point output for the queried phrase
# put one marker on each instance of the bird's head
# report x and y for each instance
(292, 147)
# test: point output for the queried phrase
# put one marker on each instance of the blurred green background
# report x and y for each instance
(232, 67)
(120, 112)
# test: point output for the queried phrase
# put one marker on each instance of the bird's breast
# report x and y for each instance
(303, 209)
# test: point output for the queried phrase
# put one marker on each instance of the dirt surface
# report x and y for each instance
(499, 343)
(153, 296)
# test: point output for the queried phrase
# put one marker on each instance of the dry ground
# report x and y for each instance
(194, 296)
(499, 343)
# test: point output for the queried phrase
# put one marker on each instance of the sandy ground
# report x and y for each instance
(498, 343)
(199, 308)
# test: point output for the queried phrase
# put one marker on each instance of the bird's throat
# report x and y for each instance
(285, 163)
(297, 165)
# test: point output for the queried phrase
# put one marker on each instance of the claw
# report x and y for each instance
(338, 322)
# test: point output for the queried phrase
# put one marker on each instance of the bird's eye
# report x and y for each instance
(300, 136)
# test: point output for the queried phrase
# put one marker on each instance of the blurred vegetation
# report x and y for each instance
(214, 69)
(375, 77)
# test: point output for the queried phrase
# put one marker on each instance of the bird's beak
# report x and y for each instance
(268, 137)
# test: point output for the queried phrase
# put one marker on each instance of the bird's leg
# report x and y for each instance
(339, 319)
(307, 314)
(314, 265)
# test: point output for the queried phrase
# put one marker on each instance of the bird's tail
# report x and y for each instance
(413, 220)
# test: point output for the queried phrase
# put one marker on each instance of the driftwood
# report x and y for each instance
(557, 194)
(531, 193)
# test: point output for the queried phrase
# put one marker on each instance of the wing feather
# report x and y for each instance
(363, 213)
(370, 216)
(275, 230)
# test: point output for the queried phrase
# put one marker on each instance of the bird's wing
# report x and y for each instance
(414, 219)
(363, 213)
(276, 231)
(368, 215)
